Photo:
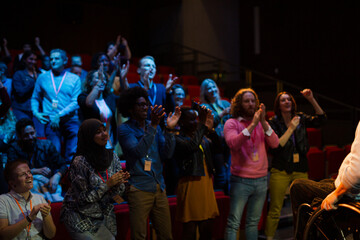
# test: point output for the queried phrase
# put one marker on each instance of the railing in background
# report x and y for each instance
(190, 61)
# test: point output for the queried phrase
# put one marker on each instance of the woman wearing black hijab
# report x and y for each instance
(96, 182)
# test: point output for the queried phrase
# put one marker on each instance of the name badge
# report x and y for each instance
(255, 156)
(296, 157)
(147, 166)
(54, 104)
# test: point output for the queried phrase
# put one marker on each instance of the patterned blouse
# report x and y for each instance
(89, 202)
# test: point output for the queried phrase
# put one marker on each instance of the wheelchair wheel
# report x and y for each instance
(343, 223)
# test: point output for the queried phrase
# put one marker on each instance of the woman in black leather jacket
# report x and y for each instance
(289, 158)
(196, 202)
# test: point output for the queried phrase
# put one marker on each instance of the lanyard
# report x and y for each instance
(107, 176)
(53, 82)
(253, 138)
(152, 101)
(28, 230)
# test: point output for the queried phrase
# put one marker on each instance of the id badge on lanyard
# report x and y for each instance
(55, 102)
(147, 164)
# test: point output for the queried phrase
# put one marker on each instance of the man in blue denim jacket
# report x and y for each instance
(145, 146)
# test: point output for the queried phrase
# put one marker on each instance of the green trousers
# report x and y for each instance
(279, 182)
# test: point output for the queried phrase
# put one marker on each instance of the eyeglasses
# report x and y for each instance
(142, 104)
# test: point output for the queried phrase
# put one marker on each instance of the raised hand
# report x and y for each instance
(257, 117)
(117, 62)
(202, 110)
(263, 112)
(209, 121)
(4, 42)
(157, 112)
(307, 93)
(124, 41)
(45, 209)
(118, 41)
(294, 122)
(37, 41)
(173, 118)
(170, 82)
(125, 69)
(101, 84)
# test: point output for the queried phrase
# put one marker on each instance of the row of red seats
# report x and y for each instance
(325, 163)
(123, 224)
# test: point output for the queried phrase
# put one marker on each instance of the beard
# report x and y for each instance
(249, 113)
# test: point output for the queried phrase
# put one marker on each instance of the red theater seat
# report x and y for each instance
(316, 162)
(86, 61)
(123, 224)
(189, 80)
(347, 149)
(166, 69)
(334, 157)
(269, 114)
(133, 68)
(133, 77)
(61, 232)
(193, 91)
(314, 137)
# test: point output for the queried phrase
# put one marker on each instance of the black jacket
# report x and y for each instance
(45, 155)
(189, 156)
(283, 156)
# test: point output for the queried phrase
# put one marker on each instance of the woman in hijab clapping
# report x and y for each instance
(96, 182)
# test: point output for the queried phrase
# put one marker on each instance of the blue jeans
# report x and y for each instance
(245, 190)
(67, 132)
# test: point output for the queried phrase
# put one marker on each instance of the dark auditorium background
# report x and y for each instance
(311, 44)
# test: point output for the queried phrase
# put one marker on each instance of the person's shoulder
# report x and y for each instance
(231, 122)
(224, 101)
(18, 73)
(274, 119)
(160, 86)
(14, 144)
(79, 160)
(37, 198)
(131, 85)
(5, 197)
(126, 125)
(72, 76)
(45, 75)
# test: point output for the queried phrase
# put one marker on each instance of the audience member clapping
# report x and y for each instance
(97, 101)
(23, 215)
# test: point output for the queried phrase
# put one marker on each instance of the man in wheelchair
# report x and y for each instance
(329, 194)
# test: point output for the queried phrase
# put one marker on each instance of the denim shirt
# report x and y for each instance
(139, 145)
